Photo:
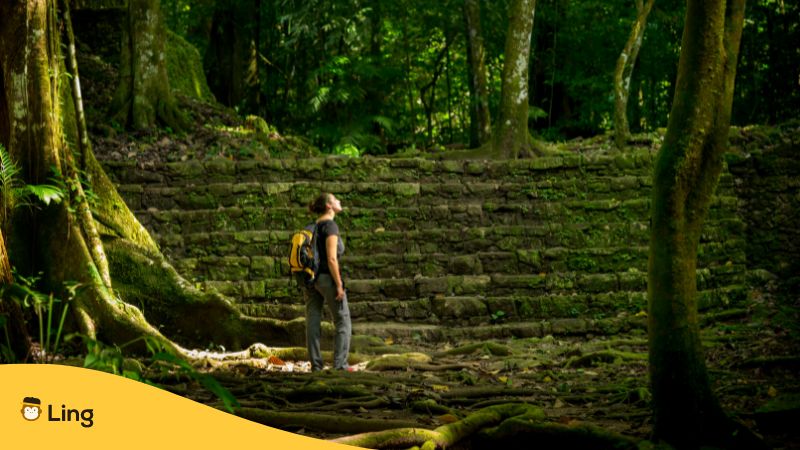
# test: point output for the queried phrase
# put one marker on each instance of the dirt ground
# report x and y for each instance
(751, 354)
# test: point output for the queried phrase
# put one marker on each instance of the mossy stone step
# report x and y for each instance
(482, 310)
(445, 240)
(635, 162)
(597, 212)
(382, 194)
(284, 291)
(398, 265)
(413, 332)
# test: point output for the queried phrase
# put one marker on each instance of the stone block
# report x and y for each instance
(600, 282)
(364, 286)
(431, 286)
(399, 288)
(459, 308)
(191, 169)
(220, 166)
(569, 326)
(465, 265)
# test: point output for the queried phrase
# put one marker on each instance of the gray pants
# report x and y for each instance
(324, 292)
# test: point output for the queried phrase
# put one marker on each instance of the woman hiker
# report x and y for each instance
(329, 286)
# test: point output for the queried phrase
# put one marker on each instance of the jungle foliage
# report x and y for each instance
(387, 75)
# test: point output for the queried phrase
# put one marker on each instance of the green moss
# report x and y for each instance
(185, 69)
(140, 282)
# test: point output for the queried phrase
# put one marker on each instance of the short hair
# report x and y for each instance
(320, 204)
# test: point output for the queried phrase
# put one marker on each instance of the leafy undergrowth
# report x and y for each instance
(212, 130)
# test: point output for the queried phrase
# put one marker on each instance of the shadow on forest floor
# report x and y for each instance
(598, 380)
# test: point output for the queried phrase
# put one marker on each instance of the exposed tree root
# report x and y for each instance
(519, 432)
(728, 314)
(608, 356)
(488, 391)
(319, 389)
(199, 318)
(330, 423)
(429, 406)
(416, 361)
(444, 436)
(492, 348)
(369, 402)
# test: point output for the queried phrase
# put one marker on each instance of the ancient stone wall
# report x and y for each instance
(437, 248)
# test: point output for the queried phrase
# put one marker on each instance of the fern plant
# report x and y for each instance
(13, 193)
(8, 184)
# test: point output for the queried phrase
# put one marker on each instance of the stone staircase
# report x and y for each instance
(436, 249)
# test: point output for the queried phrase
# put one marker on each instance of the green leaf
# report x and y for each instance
(217, 389)
(46, 192)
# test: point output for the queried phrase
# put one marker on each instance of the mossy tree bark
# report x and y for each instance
(143, 95)
(686, 412)
(58, 237)
(480, 119)
(511, 138)
(624, 71)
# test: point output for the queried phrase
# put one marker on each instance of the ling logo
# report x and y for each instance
(32, 410)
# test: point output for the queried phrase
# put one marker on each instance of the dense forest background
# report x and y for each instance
(383, 76)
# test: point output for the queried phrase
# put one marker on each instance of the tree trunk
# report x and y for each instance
(143, 94)
(61, 238)
(226, 57)
(511, 137)
(481, 122)
(686, 412)
(14, 336)
(624, 70)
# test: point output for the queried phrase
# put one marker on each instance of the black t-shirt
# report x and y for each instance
(324, 229)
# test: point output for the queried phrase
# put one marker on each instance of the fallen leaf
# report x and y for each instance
(447, 418)
(502, 379)
(547, 379)
(558, 403)
(440, 388)
(388, 341)
(276, 361)
(772, 392)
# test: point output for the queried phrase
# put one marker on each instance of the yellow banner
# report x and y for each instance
(62, 407)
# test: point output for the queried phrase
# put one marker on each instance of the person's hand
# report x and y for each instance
(339, 293)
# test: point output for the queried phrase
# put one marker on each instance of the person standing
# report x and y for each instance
(328, 289)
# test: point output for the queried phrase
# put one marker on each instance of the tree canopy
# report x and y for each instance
(387, 75)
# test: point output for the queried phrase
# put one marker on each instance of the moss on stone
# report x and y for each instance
(185, 69)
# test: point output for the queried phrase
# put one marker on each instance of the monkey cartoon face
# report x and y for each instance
(31, 408)
(30, 412)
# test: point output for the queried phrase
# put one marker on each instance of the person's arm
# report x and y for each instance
(331, 245)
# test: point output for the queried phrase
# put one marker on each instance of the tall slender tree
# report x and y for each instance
(480, 119)
(686, 412)
(624, 71)
(511, 137)
(143, 94)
